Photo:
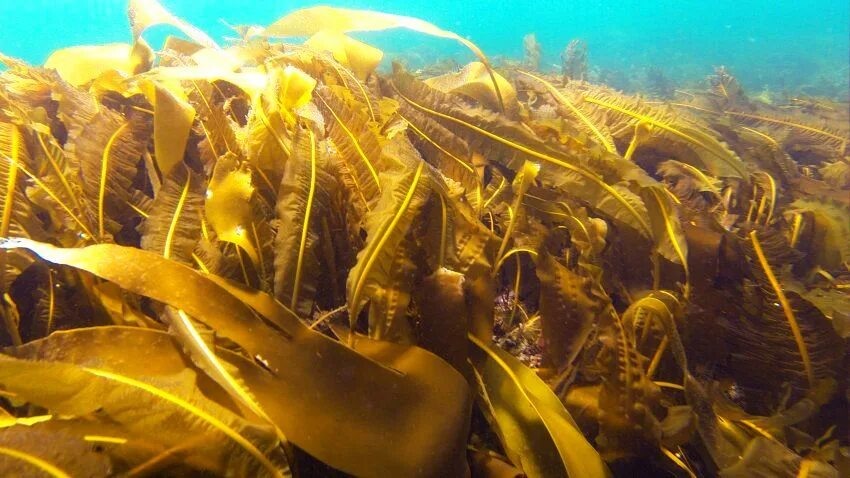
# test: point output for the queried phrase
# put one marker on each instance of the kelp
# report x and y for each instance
(260, 258)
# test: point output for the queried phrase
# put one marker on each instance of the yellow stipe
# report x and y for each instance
(772, 183)
(786, 308)
(105, 439)
(42, 465)
(681, 464)
(702, 177)
(609, 145)
(104, 170)
(53, 196)
(441, 258)
(137, 210)
(265, 119)
(767, 138)
(200, 263)
(53, 164)
(495, 193)
(790, 124)
(175, 219)
(513, 251)
(759, 430)
(674, 386)
(656, 358)
(354, 142)
(581, 171)
(668, 225)
(306, 228)
(215, 422)
(805, 467)
(12, 180)
(795, 231)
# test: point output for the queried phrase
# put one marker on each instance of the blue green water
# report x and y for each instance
(776, 45)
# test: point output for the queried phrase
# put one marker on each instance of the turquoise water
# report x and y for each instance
(774, 45)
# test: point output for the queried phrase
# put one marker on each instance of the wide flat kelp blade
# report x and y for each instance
(168, 407)
(537, 431)
(79, 65)
(360, 415)
(147, 13)
(310, 21)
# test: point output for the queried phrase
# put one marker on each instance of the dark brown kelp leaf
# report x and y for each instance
(22, 450)
(569, 310)
(367, 408)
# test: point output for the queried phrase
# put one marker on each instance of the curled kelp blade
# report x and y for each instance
(536, 430)
(147, 13)
(360, 421)
(309, 21)
(78, 65)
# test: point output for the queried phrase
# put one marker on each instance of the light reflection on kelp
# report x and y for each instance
(267, 259)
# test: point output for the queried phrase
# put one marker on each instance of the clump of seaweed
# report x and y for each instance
(574, 61)
(532, 52)
(267, 259)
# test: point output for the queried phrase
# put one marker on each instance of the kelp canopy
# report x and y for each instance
(268, 259)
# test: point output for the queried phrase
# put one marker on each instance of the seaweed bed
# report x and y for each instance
(269, 259)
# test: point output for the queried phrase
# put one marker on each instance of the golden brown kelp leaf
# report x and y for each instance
(356, 144)
(108, 150)
(172, 122)
(599, 131)
(266, 137)
(712, 154)
(383, 272)
(473, 80)
(628, 398)
(670, 241)
(168, 408)
(355, 55)
(837, 174)
(444, 150)
(15, 212)
(310, 21)
(766, 457)
(360, 421)
(228, 206)
(79, 65)
(147, 13)
(173, 225)
(455, 237)
(829, 246)
(535, 429)
(822, 133)
(22, 450)
(569, 309)
(202, 353)
(506, 141)
(303, 199)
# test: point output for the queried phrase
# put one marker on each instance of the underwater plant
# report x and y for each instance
(272, 259)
